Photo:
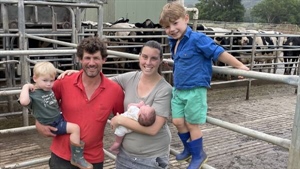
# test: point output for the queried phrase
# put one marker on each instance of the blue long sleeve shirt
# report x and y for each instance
(193, 60)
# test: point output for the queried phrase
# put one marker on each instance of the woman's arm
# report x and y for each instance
(135, 126)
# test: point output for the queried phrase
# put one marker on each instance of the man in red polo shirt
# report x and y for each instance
(86, 98)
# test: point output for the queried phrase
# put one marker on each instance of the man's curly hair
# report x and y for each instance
(91, 45)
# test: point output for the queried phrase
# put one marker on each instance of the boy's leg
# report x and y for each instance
(178, 120)
(177, 106)
(76, 145)
(77, 158)
(74, 131)
(195, 114)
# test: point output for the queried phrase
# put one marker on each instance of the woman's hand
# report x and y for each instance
(67, 72)
(114, 122)
(45, 130)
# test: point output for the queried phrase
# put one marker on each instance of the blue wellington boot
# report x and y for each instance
(185, 154)
(77, 158)
(199, 157)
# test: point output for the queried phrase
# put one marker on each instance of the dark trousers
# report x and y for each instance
(56, 162)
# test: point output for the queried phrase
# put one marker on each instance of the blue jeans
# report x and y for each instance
(56, 162)
(124, 161)
(61, 126)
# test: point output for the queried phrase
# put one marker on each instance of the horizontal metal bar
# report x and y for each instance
(87, 5)
(26, 163)
(35, 52)
(52, 40)
(285, 143)
(288, 79)
(17, 129)
(10, 92)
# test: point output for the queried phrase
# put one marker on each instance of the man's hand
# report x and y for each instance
(45, 130)
(67, 72)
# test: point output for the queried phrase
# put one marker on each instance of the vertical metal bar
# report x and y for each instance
(251, 65)
(9, 73)
(36, 14)
(54, 26)
(100, 21)
(294, 152)
(78, 20)
(25, 77)
(73, 34)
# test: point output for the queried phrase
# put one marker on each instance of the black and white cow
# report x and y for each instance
(264, 47)
(149, 24)
(291, 57)
(117, 44)
(217, 34)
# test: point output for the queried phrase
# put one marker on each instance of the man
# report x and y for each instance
(86, 98)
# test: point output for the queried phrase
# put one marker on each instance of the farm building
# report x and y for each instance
(134, 10)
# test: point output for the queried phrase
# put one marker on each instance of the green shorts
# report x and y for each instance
(190, 104)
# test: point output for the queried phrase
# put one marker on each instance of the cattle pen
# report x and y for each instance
(32, 152)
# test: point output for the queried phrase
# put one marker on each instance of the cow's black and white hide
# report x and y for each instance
(234, 43)
(199, 27)
(117, 44)
(291, 57)
(263, 45)
(278, 41)
(217, 34)
(149, 24)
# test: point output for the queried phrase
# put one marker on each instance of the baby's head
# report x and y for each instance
(170, 13)
(147, 116)
(44, 75)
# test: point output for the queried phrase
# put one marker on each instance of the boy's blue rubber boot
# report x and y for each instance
(199, 157)
(77, 158)
(185, 154)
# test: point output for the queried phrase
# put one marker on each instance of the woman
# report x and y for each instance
(145, 147)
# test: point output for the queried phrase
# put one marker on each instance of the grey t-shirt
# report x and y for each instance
(142, 145)
(44, 106)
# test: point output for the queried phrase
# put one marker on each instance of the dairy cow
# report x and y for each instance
(291, 57)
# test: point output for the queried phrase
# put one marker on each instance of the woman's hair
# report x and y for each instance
(155, 45)
(91, 45)
(44, 68)
(170, 13)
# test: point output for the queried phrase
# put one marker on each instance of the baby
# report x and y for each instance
(140, 112)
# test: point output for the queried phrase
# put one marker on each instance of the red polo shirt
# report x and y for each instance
(91, 115)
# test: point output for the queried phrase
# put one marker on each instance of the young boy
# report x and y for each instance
(140, 112)
(193, 53)
(40, 98)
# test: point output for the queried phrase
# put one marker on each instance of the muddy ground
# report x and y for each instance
(270, 109)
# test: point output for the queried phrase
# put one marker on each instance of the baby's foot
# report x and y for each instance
(114, 150)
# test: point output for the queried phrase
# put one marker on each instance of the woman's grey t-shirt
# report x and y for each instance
(142, 145)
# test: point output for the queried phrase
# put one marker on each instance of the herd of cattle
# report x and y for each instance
(266, 47)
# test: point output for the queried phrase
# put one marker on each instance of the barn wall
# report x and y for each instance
(135, 10)
(139, 11)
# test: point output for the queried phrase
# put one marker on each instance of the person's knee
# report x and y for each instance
(178, 122)
(192, 126)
